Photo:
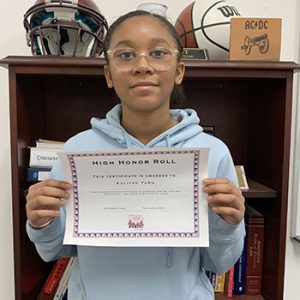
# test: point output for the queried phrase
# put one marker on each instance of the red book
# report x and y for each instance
(255, 249)
(230, 282)
(53, 279)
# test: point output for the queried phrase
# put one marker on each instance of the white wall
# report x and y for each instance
(12, 42)
(293, 248)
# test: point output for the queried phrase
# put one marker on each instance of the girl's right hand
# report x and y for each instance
(44, 200)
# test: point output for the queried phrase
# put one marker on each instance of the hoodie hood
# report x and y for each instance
(187, 128)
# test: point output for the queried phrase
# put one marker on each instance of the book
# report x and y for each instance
(254, 250)
(229, 287)
(217, 280)
(35, 174)
(241, 176)
(44, 143)
(219, 283)
(43, 157)
(239, 280)
(53, 279)
(209, 130)
(228, 283)
(63, 283)
(213, 279)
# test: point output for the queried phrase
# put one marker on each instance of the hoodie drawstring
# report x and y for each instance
(169, 253)
(127, 140)
(168, 141)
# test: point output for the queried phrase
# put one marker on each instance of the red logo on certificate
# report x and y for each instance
(136, 222)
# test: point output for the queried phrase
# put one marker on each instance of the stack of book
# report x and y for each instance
(222, 283)
(245, 276)
(249, 267)
(42, 158)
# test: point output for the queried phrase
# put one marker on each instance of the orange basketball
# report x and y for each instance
(184, 26)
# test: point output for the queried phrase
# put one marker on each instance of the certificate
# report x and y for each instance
(137, 198)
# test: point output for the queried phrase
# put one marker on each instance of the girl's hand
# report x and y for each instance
(225, 199)
(44, 200)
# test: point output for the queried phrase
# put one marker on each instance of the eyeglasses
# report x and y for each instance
(158, 58)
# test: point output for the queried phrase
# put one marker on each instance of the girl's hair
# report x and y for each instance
(177, 95)
(112, 28)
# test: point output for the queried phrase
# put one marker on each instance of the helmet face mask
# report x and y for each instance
(64, 40)
(65, 28)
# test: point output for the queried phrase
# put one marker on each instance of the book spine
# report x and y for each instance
(42, 158)
(220, 282)
(255, 244)
(239, 287)
(35, 174)
(213, 279)
(55, 275)
(207, 274)
(230, 282)
(241, 176)
(63, 283)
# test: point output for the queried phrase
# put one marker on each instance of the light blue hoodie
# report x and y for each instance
(107, 273)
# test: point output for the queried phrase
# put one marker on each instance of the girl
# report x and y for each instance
(144, 68)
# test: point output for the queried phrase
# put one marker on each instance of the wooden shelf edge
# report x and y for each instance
(49, 60)
(258, 190)
(220, 296)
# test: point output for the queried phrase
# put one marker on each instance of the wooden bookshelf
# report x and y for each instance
(248, 103)
(220, 296)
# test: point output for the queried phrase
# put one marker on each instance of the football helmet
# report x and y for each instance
(65, 28)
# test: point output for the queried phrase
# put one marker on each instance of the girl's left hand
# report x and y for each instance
(225, 199)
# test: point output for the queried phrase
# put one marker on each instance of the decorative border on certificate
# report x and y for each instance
(136, 221)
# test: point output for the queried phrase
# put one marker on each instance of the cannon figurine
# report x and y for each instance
(261, 41)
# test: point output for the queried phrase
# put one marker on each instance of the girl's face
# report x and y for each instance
(144, 84)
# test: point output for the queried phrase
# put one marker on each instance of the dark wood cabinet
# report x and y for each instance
(248, 103)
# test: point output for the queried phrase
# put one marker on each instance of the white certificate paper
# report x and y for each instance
(137, 198)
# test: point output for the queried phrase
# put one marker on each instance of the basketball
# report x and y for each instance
(205, 24)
